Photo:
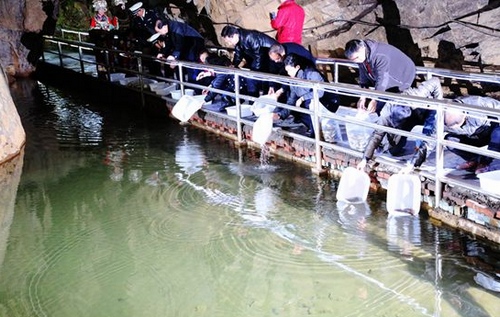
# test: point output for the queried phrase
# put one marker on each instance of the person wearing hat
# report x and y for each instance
(100, 20)
(100, 26)
(143, 27)
(144, 19)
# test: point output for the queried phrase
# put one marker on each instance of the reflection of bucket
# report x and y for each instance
(403, 194)
(353, 186)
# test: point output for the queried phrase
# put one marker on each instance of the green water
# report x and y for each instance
(118, 215)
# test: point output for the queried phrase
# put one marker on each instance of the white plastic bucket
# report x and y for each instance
(490, 181)
(177, 94)
(186, 107)
(262, 128)
(403, 194)
(353, 186)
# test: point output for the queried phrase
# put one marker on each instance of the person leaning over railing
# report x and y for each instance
(277, 53)
(476, 130)
(182, 42)
(252, 47)
(405, 118)
(382, 66)
(221, 81)
(303, 96)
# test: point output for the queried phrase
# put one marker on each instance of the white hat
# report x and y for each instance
(119, 2)
(153, 37)
(135, 8)
(100, 4)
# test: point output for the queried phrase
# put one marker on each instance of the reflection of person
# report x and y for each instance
(115, 159)
(473, 130)
(405, 118)
(288, 22)
(382, 66)
(251, 46)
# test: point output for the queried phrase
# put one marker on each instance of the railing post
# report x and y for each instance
(439, 155)
(317, 129)
(181, 76)
(140, 69)
(239, 132)
(80, 57)
(59, 52)
(336, 75)
(108, 65)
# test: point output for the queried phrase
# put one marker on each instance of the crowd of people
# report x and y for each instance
(381, 66)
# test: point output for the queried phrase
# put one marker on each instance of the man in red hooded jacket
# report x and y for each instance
(288, 22)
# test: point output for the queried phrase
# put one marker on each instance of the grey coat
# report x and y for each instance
(388, 67)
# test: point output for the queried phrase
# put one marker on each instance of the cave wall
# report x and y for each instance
(327, 26)
(472, 26)
(16, 18)
(12, 135)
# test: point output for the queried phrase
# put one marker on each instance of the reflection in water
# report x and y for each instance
(194, 227)
(189, 156)
(403, 234)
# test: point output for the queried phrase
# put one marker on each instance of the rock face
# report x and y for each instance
(416, 27)
(16, 18)
(12, 136)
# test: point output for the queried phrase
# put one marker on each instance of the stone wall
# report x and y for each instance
(16, 18)
(330, 24)
(12, 136)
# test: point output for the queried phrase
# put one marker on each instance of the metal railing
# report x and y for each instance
(64, 48)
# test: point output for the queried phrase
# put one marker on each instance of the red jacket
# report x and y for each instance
(289, 22)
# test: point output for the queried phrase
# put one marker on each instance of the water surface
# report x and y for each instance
(120, 215)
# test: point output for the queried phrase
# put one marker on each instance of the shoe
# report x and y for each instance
(310, 134)
(482, 168)
(467, 166)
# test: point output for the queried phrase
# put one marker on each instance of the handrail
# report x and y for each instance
(338, 88)
(336, 62)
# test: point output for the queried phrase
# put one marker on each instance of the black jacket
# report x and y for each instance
(253, 46)
(182, 41)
